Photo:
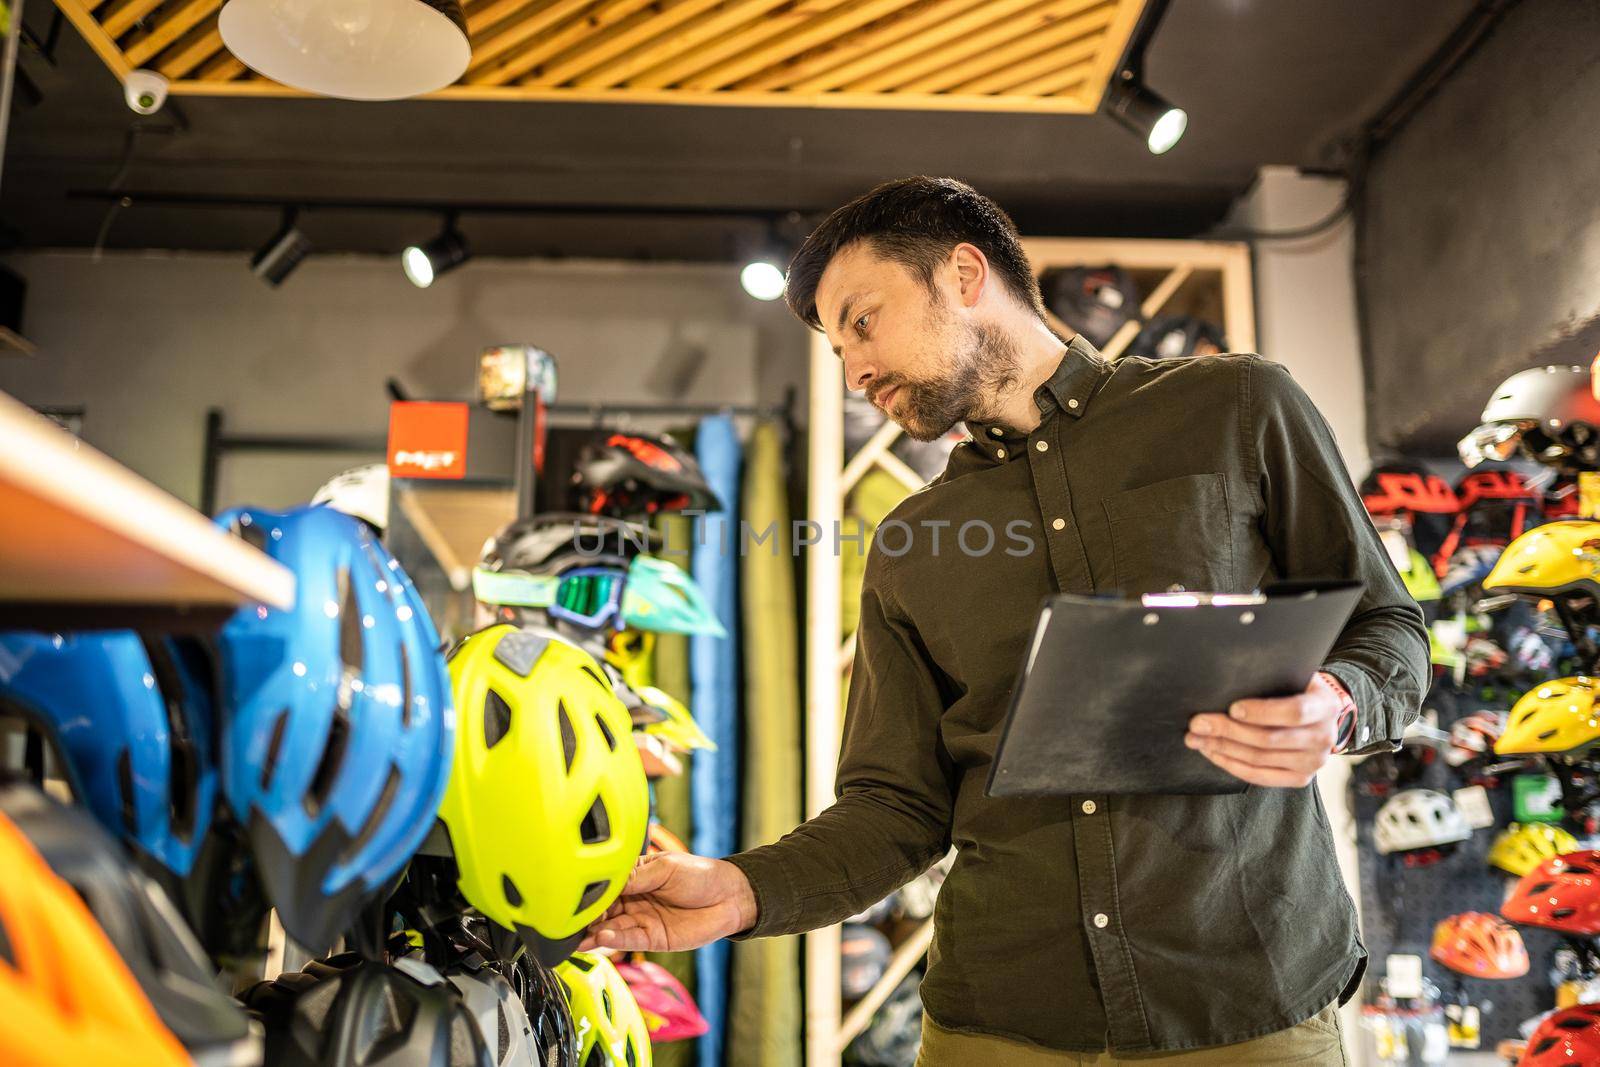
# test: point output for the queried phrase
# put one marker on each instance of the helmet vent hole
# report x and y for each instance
(605, 731)
(405, 688)
(391, 786)
(251, 534)
(633, 1059)
(502, 1034)
(581, 963)
(592, 673)
(1575, 1024)
(7, 956)
(596, 828)
(1540, 888)
(1562, 914)
(1545, 1046)
(1547, 735)
(329, 766)
(350, 643)
(606, 1005)
(512, 893)
(274, 745)
(591, 893)
(569, 736)
(496, 719)
(130, 821)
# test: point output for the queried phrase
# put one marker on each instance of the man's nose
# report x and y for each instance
(858, 373)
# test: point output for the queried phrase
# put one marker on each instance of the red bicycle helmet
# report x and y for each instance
(1569, 1038)
(629, 475)
(670, 1013)
(1561, 894)
(1480, 945)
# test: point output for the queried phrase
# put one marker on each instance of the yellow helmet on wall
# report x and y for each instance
(1555, 718)
(1521, 847)
(610, 1026)
(547, 804)
(1549, 560)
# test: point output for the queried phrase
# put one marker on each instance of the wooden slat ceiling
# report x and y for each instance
(998, 55)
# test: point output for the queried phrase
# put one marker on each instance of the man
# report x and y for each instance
(1083, 929)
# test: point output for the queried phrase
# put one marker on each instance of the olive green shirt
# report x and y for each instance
(1092, 922)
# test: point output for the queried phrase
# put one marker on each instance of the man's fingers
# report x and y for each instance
(648, 875)
(1266, 776)
(1298, 710)
(1315, 737)
(632, 932)
(1281, 759)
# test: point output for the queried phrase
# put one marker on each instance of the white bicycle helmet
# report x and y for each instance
(360, 491)
(500, 1014)
(1418, 818)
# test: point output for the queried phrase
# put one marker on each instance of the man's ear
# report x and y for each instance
(971, 268)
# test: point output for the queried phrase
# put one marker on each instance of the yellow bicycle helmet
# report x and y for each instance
(65, 994)
(1549, 560)
(1555, 718)
(547, 803)
(1521, 847)
(678, 729)
(633, 653)
(611, 1028)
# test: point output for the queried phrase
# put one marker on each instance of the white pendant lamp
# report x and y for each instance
(354, 49)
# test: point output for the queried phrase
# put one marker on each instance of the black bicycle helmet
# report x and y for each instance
(1177, 336)
(632, 476)
(545, 999)
(1094, 301)
(350, 1012)
(140, 922)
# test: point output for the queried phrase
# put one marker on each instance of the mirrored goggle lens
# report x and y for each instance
(1492, 442)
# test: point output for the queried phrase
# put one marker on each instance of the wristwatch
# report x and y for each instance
(1347, 712)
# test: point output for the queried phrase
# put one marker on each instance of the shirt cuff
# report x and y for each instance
(1368, 729)
(776, 902)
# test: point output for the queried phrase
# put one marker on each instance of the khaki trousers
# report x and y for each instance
(1317, 1042)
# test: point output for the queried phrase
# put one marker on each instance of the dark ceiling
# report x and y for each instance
(1264, 81)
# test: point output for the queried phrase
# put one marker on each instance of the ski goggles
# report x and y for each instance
(649, 594)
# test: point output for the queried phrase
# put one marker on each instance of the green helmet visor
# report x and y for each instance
(660, 596)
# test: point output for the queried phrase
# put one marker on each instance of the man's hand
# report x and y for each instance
(1278, 742)
(674, 902)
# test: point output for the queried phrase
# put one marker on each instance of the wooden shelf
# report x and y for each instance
(83, 538)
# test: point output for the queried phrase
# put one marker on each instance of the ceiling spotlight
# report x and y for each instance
(277, 259)
(355, 49)
(762, 279)
(425, 262)
(1151, 117)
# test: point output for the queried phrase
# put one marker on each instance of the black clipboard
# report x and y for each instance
(1108, 686)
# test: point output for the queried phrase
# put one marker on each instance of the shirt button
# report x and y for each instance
(1041, 446)
(1058, 524)
(1101, 921)
(1089, 807)
(1072, 404)
(997, 431)
(1000, 453)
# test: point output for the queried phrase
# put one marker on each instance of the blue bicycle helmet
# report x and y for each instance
(132, 722)
(339, 733)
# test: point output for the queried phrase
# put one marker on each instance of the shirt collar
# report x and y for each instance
(1069, 389)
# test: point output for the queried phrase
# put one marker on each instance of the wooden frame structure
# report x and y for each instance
(1209, 279)
(1053, 56)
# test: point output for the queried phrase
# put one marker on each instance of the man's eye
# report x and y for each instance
(861, 323)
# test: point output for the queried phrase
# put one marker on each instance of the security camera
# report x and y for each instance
(145, 91)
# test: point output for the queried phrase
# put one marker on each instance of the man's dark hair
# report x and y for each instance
(914, 222)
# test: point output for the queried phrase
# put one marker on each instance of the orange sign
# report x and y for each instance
(427, 439)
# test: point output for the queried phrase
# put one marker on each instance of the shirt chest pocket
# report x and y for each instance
(1173, 532)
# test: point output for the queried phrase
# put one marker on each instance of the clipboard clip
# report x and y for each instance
(1196, 600)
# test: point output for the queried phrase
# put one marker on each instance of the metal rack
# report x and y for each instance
(1192, 276)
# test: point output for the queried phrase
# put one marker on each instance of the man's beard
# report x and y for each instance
(984, 365)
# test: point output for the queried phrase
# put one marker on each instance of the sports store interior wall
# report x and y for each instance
(1411, 185)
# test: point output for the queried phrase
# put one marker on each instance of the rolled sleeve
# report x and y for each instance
(895, 789)
(1317, 529)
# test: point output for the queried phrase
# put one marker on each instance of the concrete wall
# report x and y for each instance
(146, 342)
(1480, 229)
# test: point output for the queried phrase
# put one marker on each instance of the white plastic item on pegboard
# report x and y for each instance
(1404, 974)
(1473, 803)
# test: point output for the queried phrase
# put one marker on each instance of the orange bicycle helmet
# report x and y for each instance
(1479, 945)
(68, 996)
(1561, 894)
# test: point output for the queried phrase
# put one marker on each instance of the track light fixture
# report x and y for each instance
(1150, 117)
(425, 262)
(277, 259)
